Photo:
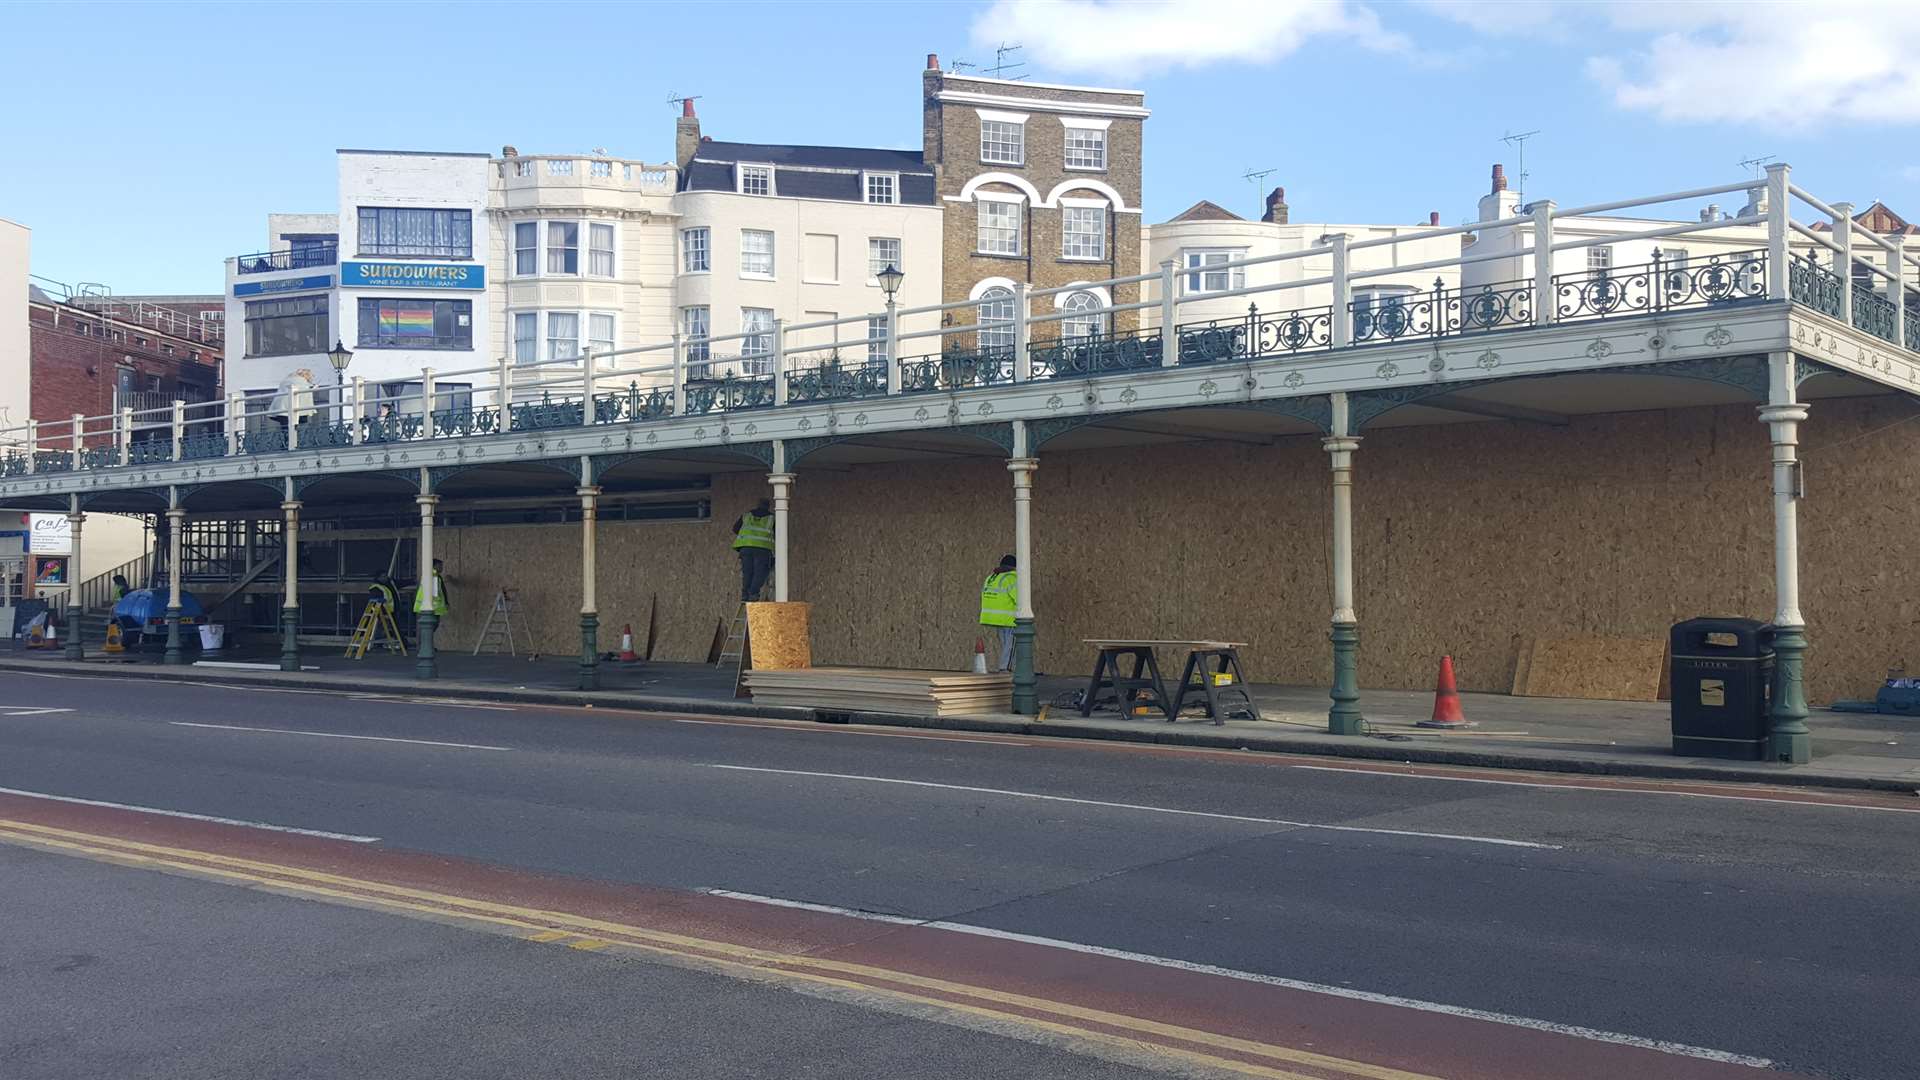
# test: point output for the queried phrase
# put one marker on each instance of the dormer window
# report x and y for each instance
(883, 187)
(755, 179)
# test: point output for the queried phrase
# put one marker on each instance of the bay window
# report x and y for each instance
(563, 247)
(600, 250)
(563, 335)
(526, 248)
(600, 333)
(526, 337)
(696, 325)
(756, 348)
(695, 253)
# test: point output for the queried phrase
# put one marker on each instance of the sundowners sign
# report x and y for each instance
(411, 275)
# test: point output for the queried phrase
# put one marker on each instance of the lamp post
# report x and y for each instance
(340, 356)
(890, 279)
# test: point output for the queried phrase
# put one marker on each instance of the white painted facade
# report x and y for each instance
(1190, 243)
(822, 252)
(16, 367)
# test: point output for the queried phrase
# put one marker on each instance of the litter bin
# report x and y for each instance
(1722, 676)
(212, 636)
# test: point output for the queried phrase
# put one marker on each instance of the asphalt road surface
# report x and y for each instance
(205, 881)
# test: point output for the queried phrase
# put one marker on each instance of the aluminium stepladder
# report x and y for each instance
(500, 630)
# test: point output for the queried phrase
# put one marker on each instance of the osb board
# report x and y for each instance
(779, 635)
(1466, 535)
(1602, 668)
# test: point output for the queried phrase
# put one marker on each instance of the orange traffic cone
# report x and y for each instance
(979, 656)
(1446, 701)
(627, 655)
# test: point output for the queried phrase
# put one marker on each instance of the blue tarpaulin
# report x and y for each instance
(150, 606)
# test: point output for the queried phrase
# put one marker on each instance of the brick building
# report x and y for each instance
(1041, 186)
(96, 354)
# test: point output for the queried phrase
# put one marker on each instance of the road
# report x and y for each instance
(221, 881)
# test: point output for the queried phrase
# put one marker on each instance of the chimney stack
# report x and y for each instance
(1433, 217)
(1499, 178)
(933, 61)
(686, 134)
(508, 151)
(1276, 207)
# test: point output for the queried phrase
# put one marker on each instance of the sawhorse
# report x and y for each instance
(1145, 677)
(1226, 657)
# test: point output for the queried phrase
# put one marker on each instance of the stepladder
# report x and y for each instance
(735, 645)
(376, 627)
(500, 630)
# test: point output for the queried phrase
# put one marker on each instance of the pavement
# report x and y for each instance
(1851, 750)
(391, 885)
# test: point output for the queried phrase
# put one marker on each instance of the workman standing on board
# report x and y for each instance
(753, 539)
(999, 599)
(432, 593)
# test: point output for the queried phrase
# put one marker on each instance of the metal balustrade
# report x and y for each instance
(695, 377)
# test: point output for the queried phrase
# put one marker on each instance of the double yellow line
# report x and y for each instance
(1130, 1035)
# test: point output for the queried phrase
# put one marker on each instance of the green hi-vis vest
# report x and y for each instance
(439, 605)
(755, 532)
(382, 594)
(998, 598)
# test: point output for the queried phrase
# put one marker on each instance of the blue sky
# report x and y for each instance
(162, 134)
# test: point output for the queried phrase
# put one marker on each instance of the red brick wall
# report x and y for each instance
(76, 357)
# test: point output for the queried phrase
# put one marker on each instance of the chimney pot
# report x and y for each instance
(508, 151)
(933, 61)
(1433, 217)
(686, 107)
(1499, 178)
(706, 138)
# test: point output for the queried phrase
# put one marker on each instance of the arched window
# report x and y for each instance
(996, 318)
(1086, 316)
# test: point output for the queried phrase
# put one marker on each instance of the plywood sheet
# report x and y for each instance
(780, 636)
(1602, 668)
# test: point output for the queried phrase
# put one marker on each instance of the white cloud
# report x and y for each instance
(1143, 35)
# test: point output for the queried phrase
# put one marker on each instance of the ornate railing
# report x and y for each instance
(264, 440)
(456, 422)
(1911, 318)
(631, 404)
(393, 427)
(1874, 314)
(51, 461)
(99, 457)
(317, 435)
(1660, 285)
(1814, 285)
(14, 464)
(1095, 354)
(726, 395)
(957, 370)
(831, 382)
(200, 447)
(548, 413)
(1299, 330)
(299, 258)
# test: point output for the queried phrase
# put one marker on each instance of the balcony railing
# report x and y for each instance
(299, 258)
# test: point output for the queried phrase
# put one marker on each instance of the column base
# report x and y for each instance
(1788, 740)
(589, 652)
(73, 648)
(1344, 717)
(175, 653)
(289, 639)
(1026, 697)
(426, 666)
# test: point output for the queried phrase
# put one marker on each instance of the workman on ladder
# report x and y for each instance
(432, 593)
(753, 539)
(999, 600)
(382, 592)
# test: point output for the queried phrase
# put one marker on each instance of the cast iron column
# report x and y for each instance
(290, 590)
(75, 650)
(589, 605)
(1789, 740)
(1344, 717)
(1026, 699)
(425, 666)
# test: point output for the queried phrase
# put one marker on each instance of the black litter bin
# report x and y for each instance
(1722, 677)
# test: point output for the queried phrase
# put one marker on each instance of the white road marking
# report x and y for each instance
(1149, 809)
(1616, 790)
(841, 729)
(1593, 1034)
(33, 712)
(191, 817)
(396, 699)
(336, 735)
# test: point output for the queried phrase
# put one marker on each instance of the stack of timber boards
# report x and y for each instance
(883, 690)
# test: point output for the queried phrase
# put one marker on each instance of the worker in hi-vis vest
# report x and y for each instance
(999, 599)
(381, 593)
(432, 593)
(753, 539)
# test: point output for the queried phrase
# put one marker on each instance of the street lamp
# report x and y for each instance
(340, 356)
(890, 279)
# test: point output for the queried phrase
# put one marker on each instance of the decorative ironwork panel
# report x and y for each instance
(1722, 279)
(391, 428)
(1042, 432)
(1000, 435)
(313, 436)
(200, 447)
(1399, 317)
(1873, 313)
(829, 382)
(957, 370)
(14, 464)
(1749, 373)
(99, 457)
(450, 423)
(1098, 354)
(1588, 294)
(798, 449)
(547, 413)
(265, 440)
(51, 461)
(726, 395)
(632, 404)
(1490, 307)
(1367, 405)
(1814, 285)
(1279, 334)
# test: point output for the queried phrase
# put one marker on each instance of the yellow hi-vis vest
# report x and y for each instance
(381, 595)
(439, 605)
(998, 598)
(755, 532)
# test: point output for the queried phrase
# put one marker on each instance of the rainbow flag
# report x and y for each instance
(410, 321)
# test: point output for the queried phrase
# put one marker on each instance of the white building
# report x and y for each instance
(16, 368)
(398, 276)
(1204, 239)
